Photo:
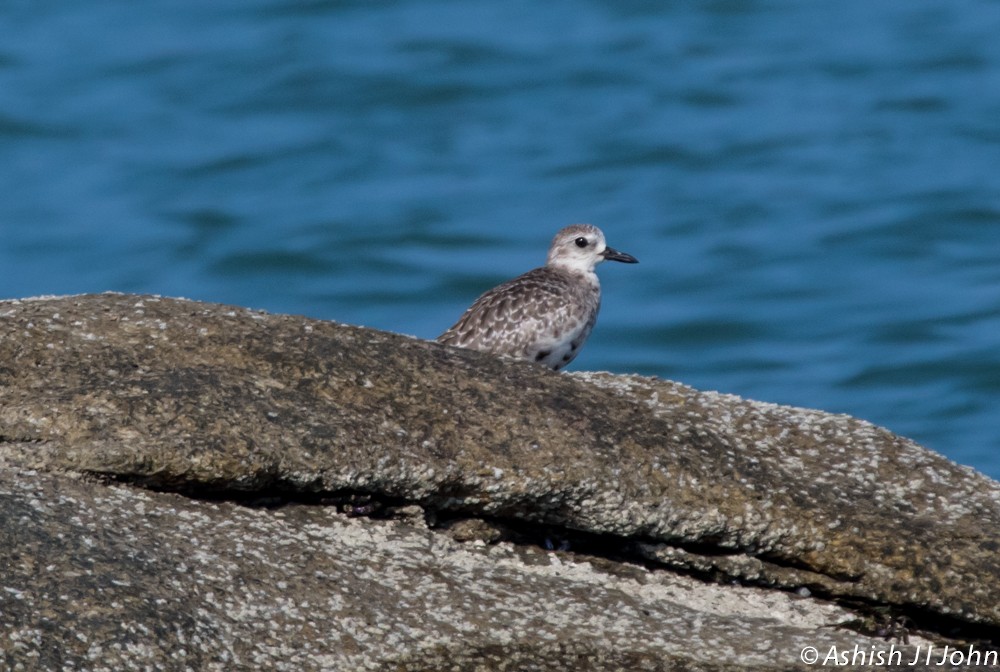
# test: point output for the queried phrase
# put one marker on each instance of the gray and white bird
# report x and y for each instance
(545, 315)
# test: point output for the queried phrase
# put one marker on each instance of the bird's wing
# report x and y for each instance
(509, 317)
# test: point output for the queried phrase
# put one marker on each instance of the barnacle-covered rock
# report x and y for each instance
(249, 466)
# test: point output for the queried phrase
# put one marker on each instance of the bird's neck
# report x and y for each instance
(583, 271)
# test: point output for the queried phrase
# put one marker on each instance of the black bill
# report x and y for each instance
(611, 254)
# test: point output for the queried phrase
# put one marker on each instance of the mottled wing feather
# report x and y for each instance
(523, 314)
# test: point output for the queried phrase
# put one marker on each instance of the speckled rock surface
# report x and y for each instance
(113, 577)
(213, 401)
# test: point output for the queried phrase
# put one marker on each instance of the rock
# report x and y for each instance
(176, 477)
(114, 577)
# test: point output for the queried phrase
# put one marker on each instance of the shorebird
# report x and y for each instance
(545, 315)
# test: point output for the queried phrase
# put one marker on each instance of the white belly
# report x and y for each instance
(556, 354)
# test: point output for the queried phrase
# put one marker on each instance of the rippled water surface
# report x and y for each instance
(813, 189)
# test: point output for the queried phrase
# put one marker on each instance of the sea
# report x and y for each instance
(812, 188)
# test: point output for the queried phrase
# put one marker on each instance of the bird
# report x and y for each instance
(546, 314)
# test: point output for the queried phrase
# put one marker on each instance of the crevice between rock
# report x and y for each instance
(698, 559)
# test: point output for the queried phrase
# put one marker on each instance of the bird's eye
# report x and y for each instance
(581, 242)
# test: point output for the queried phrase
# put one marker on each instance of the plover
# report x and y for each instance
(545, 315)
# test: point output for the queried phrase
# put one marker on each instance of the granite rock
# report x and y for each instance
(195, 485)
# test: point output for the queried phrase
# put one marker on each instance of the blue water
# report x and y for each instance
(813, 189)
